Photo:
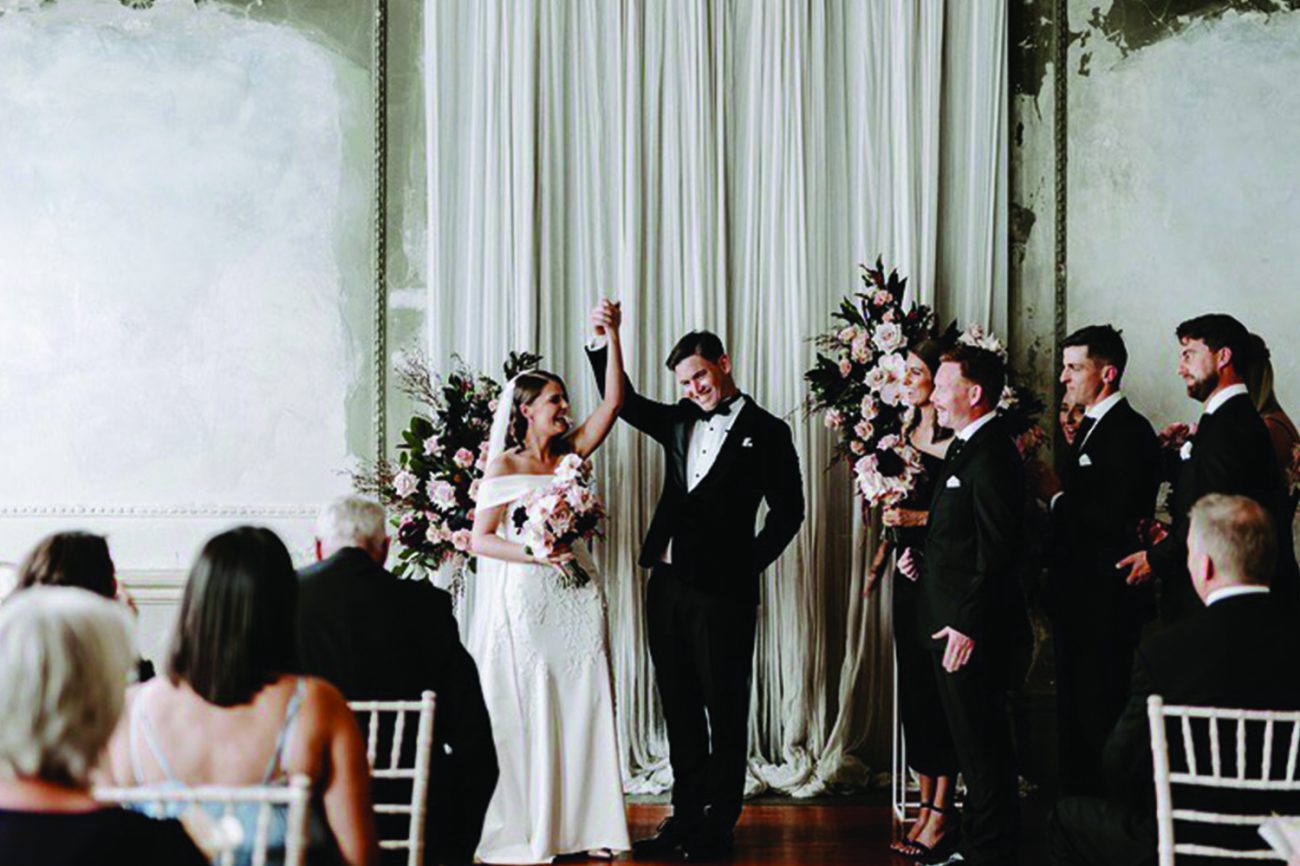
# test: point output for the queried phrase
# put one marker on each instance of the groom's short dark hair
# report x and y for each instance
(1104, 343)
(981, 366)
(706, 344)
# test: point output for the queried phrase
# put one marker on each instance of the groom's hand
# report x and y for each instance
(605, 317)
(957, 653)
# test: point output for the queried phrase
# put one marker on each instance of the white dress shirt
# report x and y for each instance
(1212, 405)
(707, 437)
(973, 427)
(1231, 591)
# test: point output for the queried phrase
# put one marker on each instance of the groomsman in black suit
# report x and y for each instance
(1238, 650)
(724, 456)
(1108, 484)
(1230, 453)
(970, 602)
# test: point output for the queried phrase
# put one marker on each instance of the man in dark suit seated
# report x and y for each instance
(1231, 452)
(1107, 489)
(970, 607)
(1238, 651)
(376, 637)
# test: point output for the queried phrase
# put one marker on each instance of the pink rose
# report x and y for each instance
(460, 539)
(864, 430)
(857, 447)
(442, 493)
(881, 298)
(834, 419)
(846, 367)
(464, 458)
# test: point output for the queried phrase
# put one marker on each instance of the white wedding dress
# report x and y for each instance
(543, 657)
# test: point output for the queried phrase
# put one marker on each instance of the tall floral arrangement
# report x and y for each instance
(430, 489)
(856, 383)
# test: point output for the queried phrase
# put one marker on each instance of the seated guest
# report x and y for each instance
(1227, 655)
(380, 638)
(230, 711)
(77, 559)
(65, 656)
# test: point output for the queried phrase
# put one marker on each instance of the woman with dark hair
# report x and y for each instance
(930, 751)
(79, 559)
(542, 644)
(1281, 430)
(230, 711)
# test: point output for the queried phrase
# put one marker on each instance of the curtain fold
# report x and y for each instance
(721, 165)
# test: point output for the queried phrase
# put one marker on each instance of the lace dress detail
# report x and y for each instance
(543, 656)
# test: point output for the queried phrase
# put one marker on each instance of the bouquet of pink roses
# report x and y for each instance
(555, 517)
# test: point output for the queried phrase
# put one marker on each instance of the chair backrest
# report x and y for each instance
(223, 838)
(1264, 744)
(388, 720)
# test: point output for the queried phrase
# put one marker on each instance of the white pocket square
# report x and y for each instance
(748, 443)
(1186, 451)
(953, 481)
(1085, 460)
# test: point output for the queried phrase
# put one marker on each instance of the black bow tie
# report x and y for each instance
(723, 408)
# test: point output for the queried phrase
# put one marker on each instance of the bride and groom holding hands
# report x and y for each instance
(542, 644)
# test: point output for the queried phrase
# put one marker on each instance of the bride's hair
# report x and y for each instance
(528, 387)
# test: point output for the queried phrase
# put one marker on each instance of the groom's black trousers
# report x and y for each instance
(702, 646)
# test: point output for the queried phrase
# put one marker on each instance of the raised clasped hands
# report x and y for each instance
(606, 317)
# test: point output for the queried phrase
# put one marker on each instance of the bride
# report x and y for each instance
(541, 647)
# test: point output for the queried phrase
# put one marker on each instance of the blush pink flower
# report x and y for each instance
(405, 484)
(464, 458)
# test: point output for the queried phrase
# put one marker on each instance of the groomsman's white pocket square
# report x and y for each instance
(953, 482)
(748, 443)
(1085, 460)
(1186, 451)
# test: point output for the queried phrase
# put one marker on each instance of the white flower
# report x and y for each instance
(974, 336)
(876, 378)
(846, 335)
(869, 408)
(433, 534)
(834, 419)
(889, 442)
(460, 539)
(442, 493)
(864, 430)
(895, 365)
(405, 483)
(571, 468)
(432, 447)
(888, 337)
(1008, 399)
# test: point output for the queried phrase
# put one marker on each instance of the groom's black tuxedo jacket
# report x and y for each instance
(1109, 484)
(1231, 453)
(376, 637)
(973, 542)
(711, 528)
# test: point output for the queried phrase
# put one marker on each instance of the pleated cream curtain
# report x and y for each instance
(721, 165)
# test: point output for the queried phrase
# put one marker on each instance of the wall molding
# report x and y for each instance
(296, 512)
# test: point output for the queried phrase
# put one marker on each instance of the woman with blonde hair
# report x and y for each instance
(65, 656)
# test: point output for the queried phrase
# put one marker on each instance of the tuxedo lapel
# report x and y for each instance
(731, 446)
(681, 434)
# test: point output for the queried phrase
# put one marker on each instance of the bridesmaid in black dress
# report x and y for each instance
(930, 752)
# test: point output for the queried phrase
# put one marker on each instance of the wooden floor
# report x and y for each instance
(812, 835)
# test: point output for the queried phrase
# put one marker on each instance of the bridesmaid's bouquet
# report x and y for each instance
(553, 518)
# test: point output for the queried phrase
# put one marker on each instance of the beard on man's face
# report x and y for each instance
(1200, 389)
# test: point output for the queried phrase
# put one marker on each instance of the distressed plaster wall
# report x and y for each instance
(1180, 159)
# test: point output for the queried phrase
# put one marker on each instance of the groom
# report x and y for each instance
(724, 455)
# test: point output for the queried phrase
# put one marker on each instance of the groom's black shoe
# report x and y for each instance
(671, 834)
(709, 843)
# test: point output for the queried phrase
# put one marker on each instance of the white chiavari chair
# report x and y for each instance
(1265, 745)
(388, 719)
(221, 835)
